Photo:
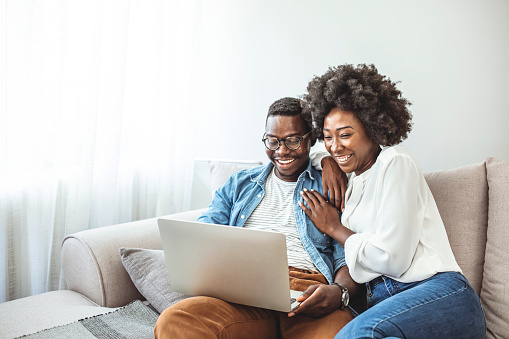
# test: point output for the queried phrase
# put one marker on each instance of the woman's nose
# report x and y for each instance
(336, 146)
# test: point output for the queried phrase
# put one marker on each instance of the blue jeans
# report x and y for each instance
(443, 306)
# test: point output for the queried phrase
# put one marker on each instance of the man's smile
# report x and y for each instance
(284, 162)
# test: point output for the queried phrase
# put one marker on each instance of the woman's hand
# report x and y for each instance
(334, 182)
(324, 216)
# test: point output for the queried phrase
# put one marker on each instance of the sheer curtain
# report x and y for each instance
(95, 112)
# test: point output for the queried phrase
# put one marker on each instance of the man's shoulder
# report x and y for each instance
(314, 173)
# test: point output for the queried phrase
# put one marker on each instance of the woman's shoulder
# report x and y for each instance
(398, 156)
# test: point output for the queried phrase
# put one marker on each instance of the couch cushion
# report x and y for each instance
(220, 172)
(495, 290)
(461, 195)
(42, 311)
(147, 269)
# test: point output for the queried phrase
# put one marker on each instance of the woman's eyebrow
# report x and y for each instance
(338, 129)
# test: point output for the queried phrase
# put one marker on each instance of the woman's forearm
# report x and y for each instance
(340, 233)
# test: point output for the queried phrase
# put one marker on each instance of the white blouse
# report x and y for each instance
(399, 231)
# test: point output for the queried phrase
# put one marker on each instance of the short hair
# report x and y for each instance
(372, 97)
(291, 107)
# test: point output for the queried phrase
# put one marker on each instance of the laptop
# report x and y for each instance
(234, 264)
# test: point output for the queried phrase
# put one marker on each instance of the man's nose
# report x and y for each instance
(283, 149)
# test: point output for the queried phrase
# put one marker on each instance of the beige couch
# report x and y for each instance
(473, 201)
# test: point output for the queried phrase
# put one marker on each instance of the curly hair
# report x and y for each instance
(291, 107)
(372, 97)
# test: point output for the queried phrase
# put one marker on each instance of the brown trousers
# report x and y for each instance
(205, 317)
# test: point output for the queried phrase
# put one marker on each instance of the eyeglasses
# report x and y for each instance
(292, 143)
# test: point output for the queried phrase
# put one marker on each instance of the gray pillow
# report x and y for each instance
(147, 269)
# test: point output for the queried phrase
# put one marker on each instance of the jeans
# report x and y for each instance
(442, 306)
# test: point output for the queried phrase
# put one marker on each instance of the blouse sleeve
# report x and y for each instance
(399, 218)
(317, 157)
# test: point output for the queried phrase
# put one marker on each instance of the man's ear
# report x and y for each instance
(313, 139)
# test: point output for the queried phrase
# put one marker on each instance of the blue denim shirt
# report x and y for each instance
(234, 202)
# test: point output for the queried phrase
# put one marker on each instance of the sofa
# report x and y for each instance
(473, 201)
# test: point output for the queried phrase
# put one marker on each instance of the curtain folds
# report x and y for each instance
(95, 114)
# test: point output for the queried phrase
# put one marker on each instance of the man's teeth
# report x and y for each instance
(285, 161)
(344, 158)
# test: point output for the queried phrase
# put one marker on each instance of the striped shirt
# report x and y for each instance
(276, 213)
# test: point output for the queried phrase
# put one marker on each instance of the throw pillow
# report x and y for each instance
(147, 269)
(461, 195)
(220, 172)
(494, 293)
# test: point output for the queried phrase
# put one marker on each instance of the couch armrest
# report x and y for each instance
(91, 262)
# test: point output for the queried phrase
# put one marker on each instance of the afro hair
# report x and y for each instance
(372, 97)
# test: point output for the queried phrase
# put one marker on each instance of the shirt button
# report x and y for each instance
(242, 216)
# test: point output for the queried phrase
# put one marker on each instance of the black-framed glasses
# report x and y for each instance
(292, 143)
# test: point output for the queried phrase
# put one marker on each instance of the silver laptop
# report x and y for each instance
(235, 264)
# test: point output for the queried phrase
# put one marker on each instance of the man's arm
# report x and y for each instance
(343, 277)
(219, 210)
(320, 300)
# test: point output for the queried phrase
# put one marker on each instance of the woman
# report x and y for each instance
(394, 239)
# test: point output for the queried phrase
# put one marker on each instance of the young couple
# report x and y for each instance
(382, 234)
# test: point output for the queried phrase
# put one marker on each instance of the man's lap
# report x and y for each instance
(212, 317)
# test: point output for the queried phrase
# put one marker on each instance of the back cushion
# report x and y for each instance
(220, 171)
(495, 286)
(461, 195)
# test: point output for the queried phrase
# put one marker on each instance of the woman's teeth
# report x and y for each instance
(344, 158)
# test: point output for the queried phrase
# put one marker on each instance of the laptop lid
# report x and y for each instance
(235, 264)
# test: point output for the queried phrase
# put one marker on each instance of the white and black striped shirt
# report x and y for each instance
(276, 213)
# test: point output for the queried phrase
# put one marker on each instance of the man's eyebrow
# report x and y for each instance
(290, 135)
(338, 129)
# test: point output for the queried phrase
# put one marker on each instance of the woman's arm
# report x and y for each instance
(334, 180)
(389, 240)
(391, 237)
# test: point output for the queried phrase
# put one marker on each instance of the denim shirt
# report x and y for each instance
(234, 202)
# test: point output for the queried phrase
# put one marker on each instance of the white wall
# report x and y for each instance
(452, 58)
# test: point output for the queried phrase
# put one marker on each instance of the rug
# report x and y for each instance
(135, 320)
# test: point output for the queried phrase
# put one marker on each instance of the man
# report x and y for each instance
(249, 199)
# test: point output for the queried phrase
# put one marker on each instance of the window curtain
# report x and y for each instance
(96, 103)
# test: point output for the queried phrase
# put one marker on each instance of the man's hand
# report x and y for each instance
(318, 301)
(334, 183)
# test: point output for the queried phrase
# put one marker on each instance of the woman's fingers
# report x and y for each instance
(310, 198)
(332, 196)
(338, 201)
(305, 209)
(319, 198)
(326, 190)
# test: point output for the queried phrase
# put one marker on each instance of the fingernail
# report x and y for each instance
(305, 189)
(301, 192)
